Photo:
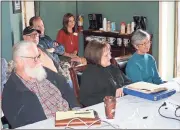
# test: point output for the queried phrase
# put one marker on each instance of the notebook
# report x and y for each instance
(145, 87)
(150, 96)
(64, 118)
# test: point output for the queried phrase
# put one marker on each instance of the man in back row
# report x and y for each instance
(32, 92)
(31, 34)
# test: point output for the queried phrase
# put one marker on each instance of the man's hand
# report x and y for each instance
(55, 44)
(119, 92)
(51, 50)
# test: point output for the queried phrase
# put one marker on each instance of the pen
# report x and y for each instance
(83, 113)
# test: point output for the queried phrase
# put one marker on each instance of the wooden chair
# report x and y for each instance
(75, 73)
(121, 62)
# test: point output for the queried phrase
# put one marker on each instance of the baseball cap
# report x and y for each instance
(29, 30)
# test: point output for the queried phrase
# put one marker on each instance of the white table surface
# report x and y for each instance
(130, 111)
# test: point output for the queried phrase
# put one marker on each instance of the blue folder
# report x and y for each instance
(153, 96)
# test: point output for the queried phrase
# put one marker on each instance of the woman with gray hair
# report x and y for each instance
(142, 66)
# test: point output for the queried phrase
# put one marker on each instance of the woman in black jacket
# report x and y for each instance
(100, 78)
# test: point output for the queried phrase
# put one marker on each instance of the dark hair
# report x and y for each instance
(94, 51)
(66, 21)
(33, 19)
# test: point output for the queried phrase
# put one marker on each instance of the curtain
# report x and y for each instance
(177, 40)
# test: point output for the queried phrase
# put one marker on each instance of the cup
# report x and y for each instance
(126, 42)
(88, 38)
(119, 41)
(110, 106)
(111, 40)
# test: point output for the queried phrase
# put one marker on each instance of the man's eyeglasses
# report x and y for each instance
(34, 58)
(146, 43)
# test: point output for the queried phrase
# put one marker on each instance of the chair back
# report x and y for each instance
(120, 62)
(75, 73)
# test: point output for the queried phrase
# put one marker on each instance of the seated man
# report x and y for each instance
(32, 35)
(33, 93)
(45, 41)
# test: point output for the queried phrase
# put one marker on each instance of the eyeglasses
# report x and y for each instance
(146, 43)
(34, 35)
(34, 58)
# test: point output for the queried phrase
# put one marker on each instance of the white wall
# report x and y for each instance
(27, 12)
(166, 39)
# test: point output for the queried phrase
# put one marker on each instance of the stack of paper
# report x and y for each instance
(73, 114)
(76, 118)
(146, 87)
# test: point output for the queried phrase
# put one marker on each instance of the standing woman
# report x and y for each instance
(67, 37)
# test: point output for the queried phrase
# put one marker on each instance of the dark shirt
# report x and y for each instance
(21, 106)
(98, 82)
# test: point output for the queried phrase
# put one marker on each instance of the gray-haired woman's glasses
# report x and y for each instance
(146, 43)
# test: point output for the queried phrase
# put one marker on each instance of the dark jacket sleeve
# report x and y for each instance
(126, 79)
(89, 90)
(60, 82)
(21, 108)
(121, 78)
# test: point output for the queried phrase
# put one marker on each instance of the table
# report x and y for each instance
(130, 111)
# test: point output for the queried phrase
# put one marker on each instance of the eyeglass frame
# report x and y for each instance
(33, 35)
(34, 58)
(146, 43)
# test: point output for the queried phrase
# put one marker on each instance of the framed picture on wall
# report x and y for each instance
(16, 5)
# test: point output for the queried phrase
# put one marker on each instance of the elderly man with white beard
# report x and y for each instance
(33, 92)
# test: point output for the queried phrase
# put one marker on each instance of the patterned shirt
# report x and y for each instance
(4, 68)
(49, 96)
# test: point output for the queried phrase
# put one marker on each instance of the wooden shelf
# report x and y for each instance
(105, 34)
(115, 49)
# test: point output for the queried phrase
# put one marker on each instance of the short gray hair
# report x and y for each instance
(138, 36)
(21, 49)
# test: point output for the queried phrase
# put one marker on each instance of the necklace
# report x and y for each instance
(71, 39)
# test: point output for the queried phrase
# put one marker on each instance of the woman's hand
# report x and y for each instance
(119, 92)
(51, 50)
(71, 55)
(75, 52)
(77, 59)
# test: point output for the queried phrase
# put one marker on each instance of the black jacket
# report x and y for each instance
(21, 106)
(98, 82)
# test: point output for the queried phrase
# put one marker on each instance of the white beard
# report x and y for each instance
(38, 73)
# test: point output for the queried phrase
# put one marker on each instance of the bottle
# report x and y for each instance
(123, 28)
(128, 28)
(132, 27)
(108, 26)
(105, 24)
(113, 26)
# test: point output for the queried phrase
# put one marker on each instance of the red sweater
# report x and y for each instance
(70, 41)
